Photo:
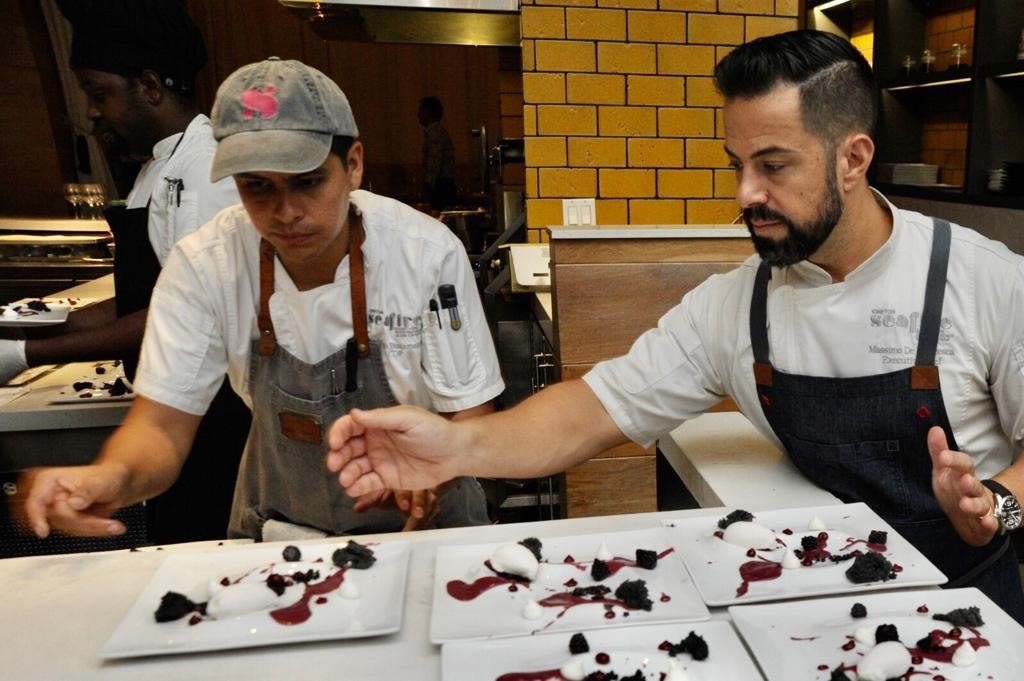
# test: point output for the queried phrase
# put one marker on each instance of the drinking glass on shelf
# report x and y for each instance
(908, 64)
(957, 54)
(927, 59)
(95, 200)
(75, 197)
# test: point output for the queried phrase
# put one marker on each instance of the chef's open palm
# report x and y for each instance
(398, 448)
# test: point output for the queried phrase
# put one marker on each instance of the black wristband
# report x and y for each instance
(997, 488)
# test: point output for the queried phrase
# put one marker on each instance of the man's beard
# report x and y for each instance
(801, 241)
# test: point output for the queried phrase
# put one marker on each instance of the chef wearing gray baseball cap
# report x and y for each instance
(313, 297)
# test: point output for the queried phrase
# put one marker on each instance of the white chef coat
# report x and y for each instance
(700, 350)
(190, 162)
(202, 318)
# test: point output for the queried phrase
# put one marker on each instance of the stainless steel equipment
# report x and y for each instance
(39, 257)
(440, 22)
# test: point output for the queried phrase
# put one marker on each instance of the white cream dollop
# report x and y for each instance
(573, 669)
(864, 636)
(603, 553)
(348, 588)
(241, 599)
(515, 559)
(532, 610)
(676, 673)
(887, 660)
(790, 561)
(965, 655)
(750, 535)
(817, 524)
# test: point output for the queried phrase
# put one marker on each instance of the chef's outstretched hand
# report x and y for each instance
(398, 448)
(959, 491)
(77, 500)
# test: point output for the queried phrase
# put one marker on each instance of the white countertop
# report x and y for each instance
(724, 461)
(59, 610)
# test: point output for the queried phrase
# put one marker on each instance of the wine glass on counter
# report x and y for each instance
(75, 197)
(95, 196)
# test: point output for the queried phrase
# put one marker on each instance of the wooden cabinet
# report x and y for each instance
(608, 287)
(962, 112)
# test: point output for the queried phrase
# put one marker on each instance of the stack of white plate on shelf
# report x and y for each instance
(908, 173)
(997, 178)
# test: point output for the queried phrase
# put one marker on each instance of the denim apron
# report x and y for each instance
(198, 504)
(865, 439)
(283, 475)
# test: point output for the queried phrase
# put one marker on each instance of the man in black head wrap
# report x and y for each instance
(136, 61)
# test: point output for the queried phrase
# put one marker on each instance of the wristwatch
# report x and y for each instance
(1007, 510)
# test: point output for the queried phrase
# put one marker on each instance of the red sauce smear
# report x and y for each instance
(532, 676)
(757, 571)
(298, 612)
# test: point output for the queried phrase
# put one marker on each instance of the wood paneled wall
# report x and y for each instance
(383, 83)
(32, 116)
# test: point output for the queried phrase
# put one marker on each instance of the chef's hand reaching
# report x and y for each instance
(77, 500)
(12, 359)
(959, 491)
(420, 507)
(398, 448)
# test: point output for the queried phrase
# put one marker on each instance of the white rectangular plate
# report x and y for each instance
(793, 640)
(715, 563)
(498, 612)
(57, 314)
(377, 610)
(628, 648)
(102, 372)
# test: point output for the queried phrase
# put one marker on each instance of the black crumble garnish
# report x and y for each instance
(291, 553)
(174, 606)
(858, 611)
(306, 576)
(100, 370)
(648, 560)
(838, 675)
(693, 644)
(602, 676)
(840, 557)
(635, 676)
(735, 516)
(37, 305)
(354, 555)
(932, 643)
(596, 592)
(633, 592)
(961, 617)
(599, 570)
(878, 537)
(578, 644)
(886, 632)
(870, 567)
(534, 545)
(117, 388)
(277, 583)
(82, 385)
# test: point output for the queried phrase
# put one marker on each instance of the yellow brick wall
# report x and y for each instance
(619, 105)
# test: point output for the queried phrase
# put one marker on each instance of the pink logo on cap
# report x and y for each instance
(256, 102)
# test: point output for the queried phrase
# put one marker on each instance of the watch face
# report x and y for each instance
(1010, 514)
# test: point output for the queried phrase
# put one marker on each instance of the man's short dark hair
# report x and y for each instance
(340, 146)
(433, 106)
(837, 87)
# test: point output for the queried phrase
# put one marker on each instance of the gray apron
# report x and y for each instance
(283, 476)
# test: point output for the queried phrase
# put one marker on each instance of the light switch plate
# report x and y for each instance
(579, 212)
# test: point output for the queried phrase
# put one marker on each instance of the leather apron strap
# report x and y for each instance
(357, 287)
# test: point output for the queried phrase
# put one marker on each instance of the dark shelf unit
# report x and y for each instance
(987, 93)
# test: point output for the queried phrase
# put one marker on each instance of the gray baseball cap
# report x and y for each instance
(277, 116)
